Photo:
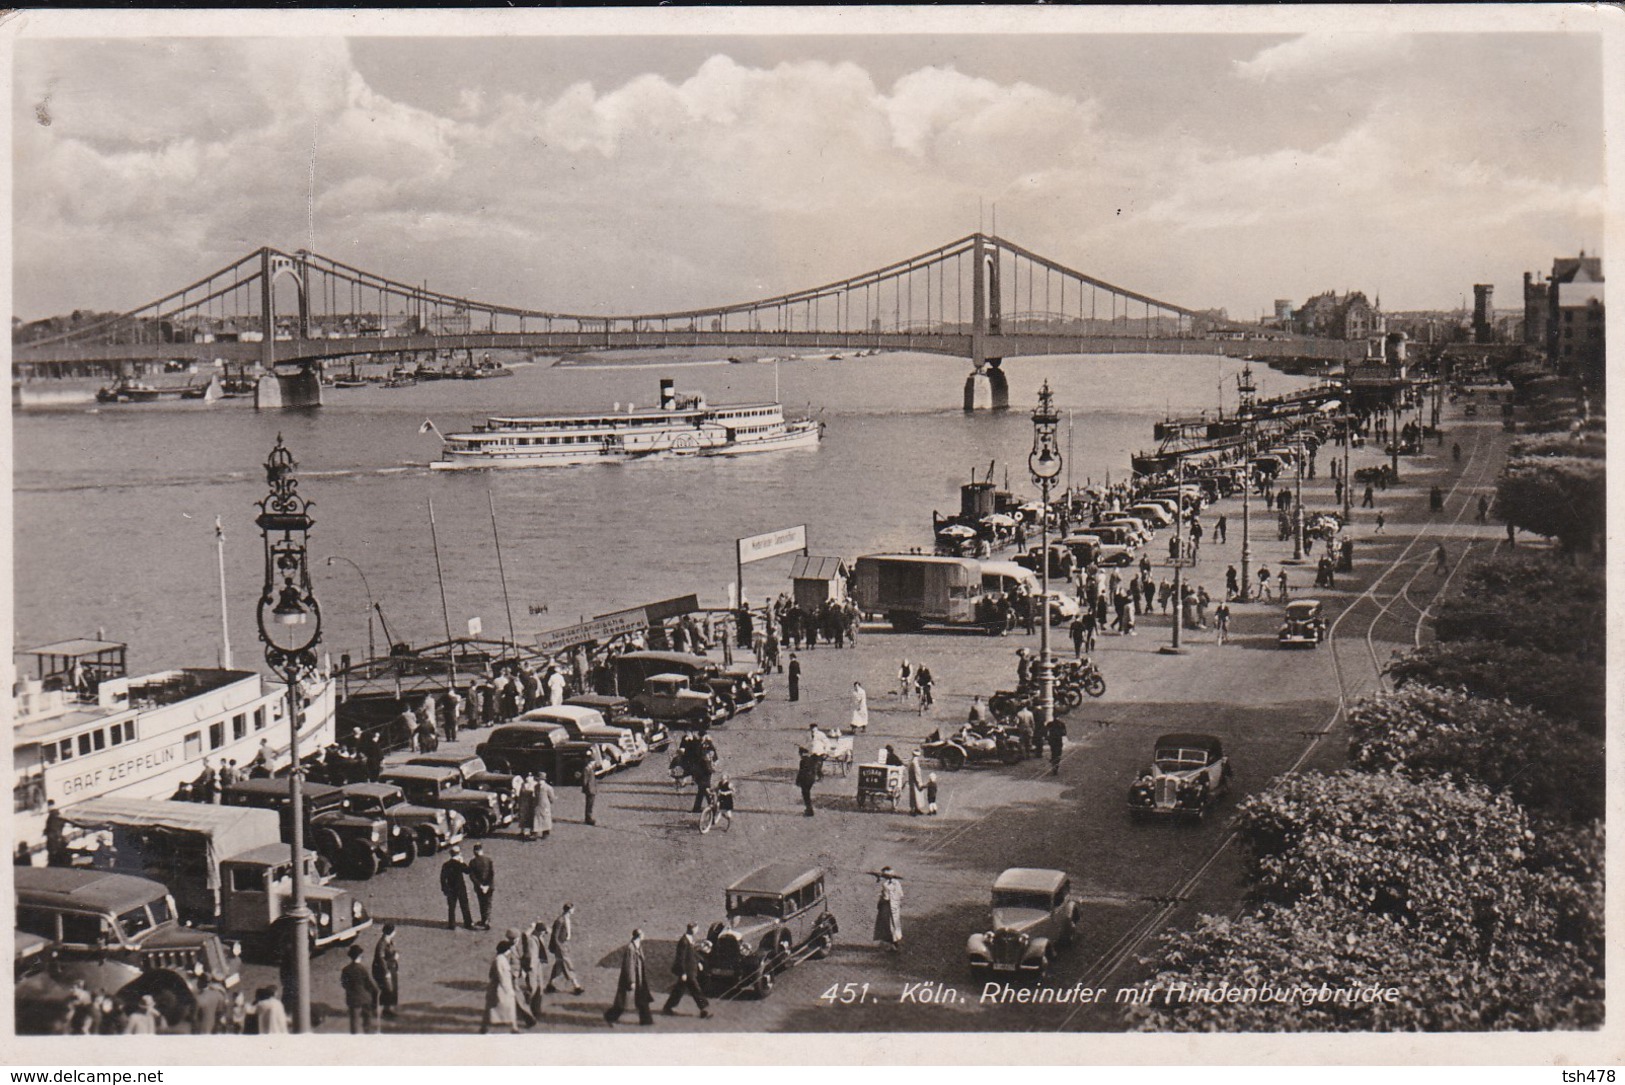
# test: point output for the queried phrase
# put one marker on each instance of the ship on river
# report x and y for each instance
(84, 728)
(682, 425)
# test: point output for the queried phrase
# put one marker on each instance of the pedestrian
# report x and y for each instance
(633, 984)
(386, 971)
(454, 886)
(916, 783)
(483, 873)
(500, 1003)
(889, 910)
(1056, 733)
(725, 801)
(360, 994)
(977, 715)
(525, 807)
(1221, 622)
(794, 678)
(1077, 636)
(144, 1021)
(1027, 727)
(1369, 499)
(1263, 584)
(211, 1009)
(931, 794)
(685, 966)
(1280, 579)
(589, 798)
(555, 688)
(558, 945)
(530, 979)
(1221, 530)
(270, 1015)
(806, 777)
(1232, 583)
(451, 712)
(1512, 535)
(1381, 520)
(1483, 509)
(1440, 560)
(860, 708)
(1337, 488)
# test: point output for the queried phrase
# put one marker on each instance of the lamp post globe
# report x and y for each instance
(290, 626)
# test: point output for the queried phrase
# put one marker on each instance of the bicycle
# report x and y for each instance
(711, 813)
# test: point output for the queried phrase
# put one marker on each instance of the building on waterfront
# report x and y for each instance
(1339, 316)
(1566, 317)
(1483, 313)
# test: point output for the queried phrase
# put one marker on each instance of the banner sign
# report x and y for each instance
(669, 608)
(772, 544)
(601, 628)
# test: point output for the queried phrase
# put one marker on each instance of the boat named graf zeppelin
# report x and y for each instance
(683, 425)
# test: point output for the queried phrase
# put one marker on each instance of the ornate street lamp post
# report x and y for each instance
(1246, 389)
(290, 622)
(1045, 464)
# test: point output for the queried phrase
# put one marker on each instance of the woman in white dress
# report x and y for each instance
(860, 708)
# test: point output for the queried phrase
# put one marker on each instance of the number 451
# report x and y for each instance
(846, 993)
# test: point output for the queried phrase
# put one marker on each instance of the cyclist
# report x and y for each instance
(922, 685)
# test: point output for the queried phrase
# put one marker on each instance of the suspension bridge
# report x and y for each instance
(981, 297)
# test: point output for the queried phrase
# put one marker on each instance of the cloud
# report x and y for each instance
(1324, 55)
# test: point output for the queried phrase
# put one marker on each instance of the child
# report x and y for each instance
(725, 802)
(931, 794)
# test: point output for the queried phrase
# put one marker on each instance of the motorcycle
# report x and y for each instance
(993, 744)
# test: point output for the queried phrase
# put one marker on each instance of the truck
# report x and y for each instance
(916, 590)
(737, 685)
(226, 866)
(357, 847)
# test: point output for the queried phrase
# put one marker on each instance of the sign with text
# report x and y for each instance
(601, 628)
(771, 545)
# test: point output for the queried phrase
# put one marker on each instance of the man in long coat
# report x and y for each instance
(634, 984)
(685, 966)
(386, 971)
(499, 994)
(558, 944)
(795, 677)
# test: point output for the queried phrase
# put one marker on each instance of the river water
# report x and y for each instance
(115, 507)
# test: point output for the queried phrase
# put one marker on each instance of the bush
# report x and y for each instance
(1527, 600)
(1591, 446)
(1515, 987)
(1547, 767)
(1554, 496)
(1562, 687)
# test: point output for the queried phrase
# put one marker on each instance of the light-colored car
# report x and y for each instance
(619, 744)
(1187, 775)
(1034, 916)
(1153, 513)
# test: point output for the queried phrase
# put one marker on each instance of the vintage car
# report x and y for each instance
(534, 747)
(989, 742)
(356, 846)
(1110, 555)
(119, 934)
(429, 785)
(1304, 624)
(736, 685)
(777, 916)
(1187, 775)
(430, 828)
(473, 772)
(257, 891)
(1153, 513)
(617, 711)
(618, 745)
(1034, 916)
(671, 699)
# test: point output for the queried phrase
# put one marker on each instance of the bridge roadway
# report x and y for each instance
(997, 345)
(645, 865)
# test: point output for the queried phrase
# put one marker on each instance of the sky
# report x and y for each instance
(614, 174)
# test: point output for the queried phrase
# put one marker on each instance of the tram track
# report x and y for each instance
(1478, 467)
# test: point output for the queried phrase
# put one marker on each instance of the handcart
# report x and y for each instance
(879, 785)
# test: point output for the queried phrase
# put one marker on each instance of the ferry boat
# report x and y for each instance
(84, 728)
(682, 425)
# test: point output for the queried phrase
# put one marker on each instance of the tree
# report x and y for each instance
(1555, 496)
(1561, 686)
(1549, 767)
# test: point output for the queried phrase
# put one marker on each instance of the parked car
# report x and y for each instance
(1121, 535)
(429, 785)
(1034, 916)
(737, 685)
(1187, 775)
(618, 712)
(357, 847)
(1138, 529)
(1152, 513)
(1109, 556)
(671, 699)
(1304, 623)
(775, 916)
(619, 745)
(120, 934)
(430, 828)
(257, 890)
(544, 748)
(473, 772)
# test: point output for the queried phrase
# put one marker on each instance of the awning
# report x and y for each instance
(809, 567)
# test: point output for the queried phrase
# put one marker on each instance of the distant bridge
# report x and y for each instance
(288, 312)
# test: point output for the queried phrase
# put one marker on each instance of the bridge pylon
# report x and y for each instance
(986, 388)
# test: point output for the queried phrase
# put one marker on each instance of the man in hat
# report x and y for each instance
(634, 984)
(685, 966)
(483, 873)
(454, 886)
(558, 944)
(386, 971)
(360, 994)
